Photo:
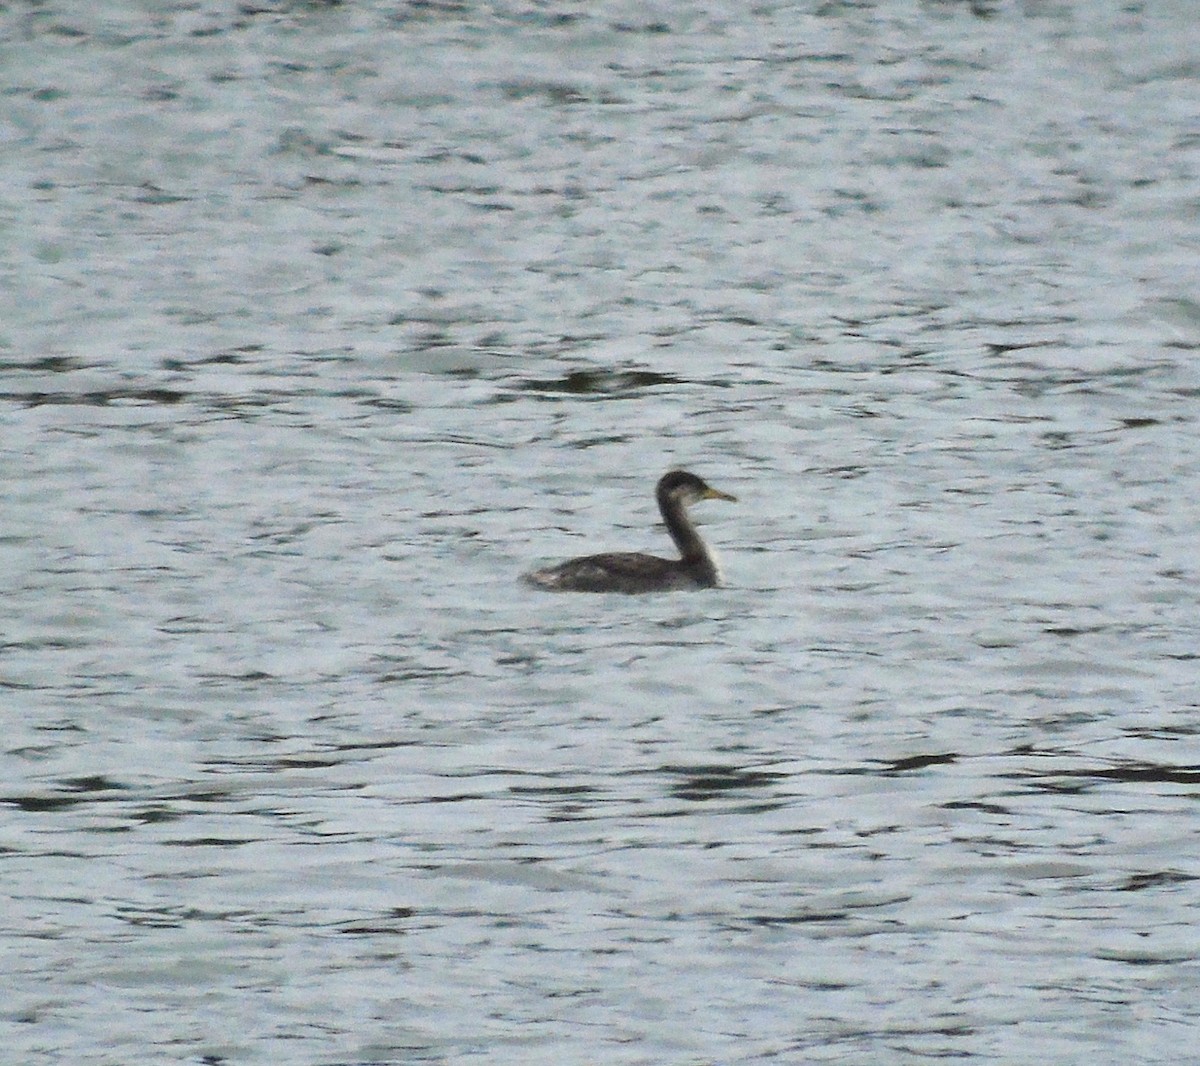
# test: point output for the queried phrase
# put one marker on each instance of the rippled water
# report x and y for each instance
(319, 323)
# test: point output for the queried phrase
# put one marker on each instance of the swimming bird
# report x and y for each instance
(633, 572)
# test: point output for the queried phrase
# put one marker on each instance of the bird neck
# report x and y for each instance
(683, 532)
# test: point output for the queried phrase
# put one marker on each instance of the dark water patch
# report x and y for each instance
(22, 686)
(151, 194)
(554, 93)
(318, 181)
(93, 783)
(1139, 882)
(907, 764)
(156, 815)
(1084, 779)
(229, 357)
(389, 403)
(553, 791)
(446, 155)
(459, 188)
(607, 383)
(428, 10)
(174, 917)
(96, 397)
(422, 673)
(826, 912)
(395, 923)
(75, 791)
(706, 782)
(210, 842)
(977, 805)
(458, 797)
(149, 919)
(782, 709)
(798, 919)
(205, 795)
(284, 762)
(1148, 958)
(42, 804)
(918, 762)
(48, 364)
(192, 624)
(1139, 423)
(584, 810)
(845, 473)
(653, 28)
(1163, 732)
(1074, 631)
(246, 676)
(380, 745)
(1154, 773)
(491, 205)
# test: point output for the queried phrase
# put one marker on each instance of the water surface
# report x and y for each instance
(320, 323)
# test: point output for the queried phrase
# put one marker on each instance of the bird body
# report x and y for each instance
(633, 572)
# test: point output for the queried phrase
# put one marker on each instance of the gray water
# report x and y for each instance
(320, 322)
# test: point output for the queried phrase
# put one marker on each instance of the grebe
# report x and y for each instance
(633, 572)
